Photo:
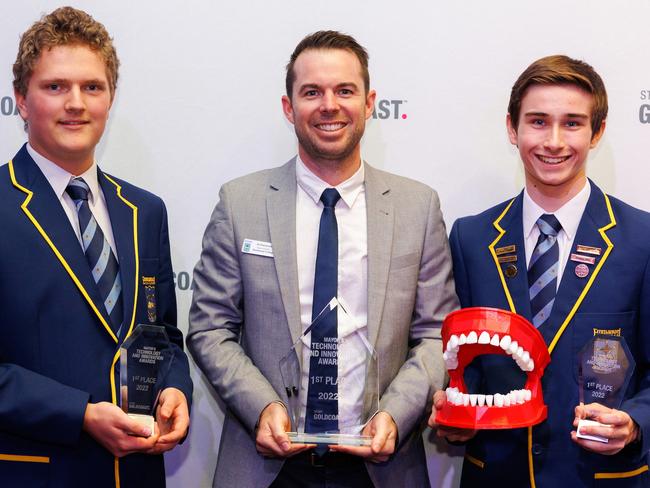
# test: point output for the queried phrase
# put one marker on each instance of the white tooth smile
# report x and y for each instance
(510, 347)
(330, 127)
(552, 160)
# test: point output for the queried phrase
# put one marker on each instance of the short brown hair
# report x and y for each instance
(329, 40)
(64, 26)
(561, 70)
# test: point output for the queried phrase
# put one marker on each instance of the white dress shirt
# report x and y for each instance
(352, 283)
(569, 216)
(59, 178)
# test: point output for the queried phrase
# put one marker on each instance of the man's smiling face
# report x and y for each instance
(328, 106)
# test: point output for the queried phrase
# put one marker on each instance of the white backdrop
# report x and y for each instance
(198, 103)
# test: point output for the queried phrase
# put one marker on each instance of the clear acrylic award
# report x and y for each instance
(331, 383)
(606, 366)
(145, 359)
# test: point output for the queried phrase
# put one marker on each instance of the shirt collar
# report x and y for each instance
(569, 214)
(59, 178)
(314, 186)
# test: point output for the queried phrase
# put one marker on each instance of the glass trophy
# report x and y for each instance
(145, 359)
(320, 412)
(606, 367)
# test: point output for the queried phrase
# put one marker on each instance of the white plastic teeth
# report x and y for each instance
(512, 348)
(498, 400)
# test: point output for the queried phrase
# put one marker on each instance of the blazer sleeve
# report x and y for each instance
(408, 397)
(460, 272)
(217, 319)
(638, 406)
(179, 374)
(40, 408)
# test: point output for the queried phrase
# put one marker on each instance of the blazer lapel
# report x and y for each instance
(281, 214)
(380, 215)
(597, 219)
(123, 215)
(43, 209)
(509, 256)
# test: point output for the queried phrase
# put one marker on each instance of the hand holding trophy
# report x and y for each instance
(606, 367)
(313, 397)
(145, 359)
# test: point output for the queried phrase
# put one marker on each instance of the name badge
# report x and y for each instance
(259, 248)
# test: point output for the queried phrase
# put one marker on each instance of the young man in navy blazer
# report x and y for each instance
(599, 283)
(60, 334)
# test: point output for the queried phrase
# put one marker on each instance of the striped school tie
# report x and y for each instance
(100, 257)
(543, 269)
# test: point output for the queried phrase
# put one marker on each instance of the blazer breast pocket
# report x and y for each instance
(587, 325)
(148, 306)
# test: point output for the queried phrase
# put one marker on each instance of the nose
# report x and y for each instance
(74, 101)
(329, 102)
(555, 138)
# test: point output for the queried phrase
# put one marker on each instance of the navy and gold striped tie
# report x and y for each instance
(102, 261)
(543, 269)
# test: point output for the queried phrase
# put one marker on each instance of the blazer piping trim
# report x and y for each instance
(502, 231)
(578, 302)
(31, 459)
(531, 466)
(475, 461)
(625, 474)
(116, 462)
(57, 253)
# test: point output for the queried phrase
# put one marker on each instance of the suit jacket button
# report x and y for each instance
(537, 449)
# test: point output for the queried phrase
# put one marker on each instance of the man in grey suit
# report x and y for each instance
(259, 272)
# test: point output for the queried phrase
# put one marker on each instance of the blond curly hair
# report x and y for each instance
(64, 26)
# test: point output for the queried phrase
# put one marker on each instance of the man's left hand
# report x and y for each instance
(172, 419)
(619, 428)
(383, 430)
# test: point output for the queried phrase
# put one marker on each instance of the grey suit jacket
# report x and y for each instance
(245, 312)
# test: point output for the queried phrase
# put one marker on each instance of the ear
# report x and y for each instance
(596, 137)
(287, 108)
(370, 103)
(512, 131)
(21, 103)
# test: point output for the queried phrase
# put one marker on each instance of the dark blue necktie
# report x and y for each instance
(322, 395)
(99, 254)
(543, 269)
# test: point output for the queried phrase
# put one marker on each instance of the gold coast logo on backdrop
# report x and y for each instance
(644, 109)
(183, 281)
(8, 106)
(390, 109)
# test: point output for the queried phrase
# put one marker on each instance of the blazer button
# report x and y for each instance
(537, 449)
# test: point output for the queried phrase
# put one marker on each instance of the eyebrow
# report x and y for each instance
(47, 81)
(312, 86)
(94, 81)
(544, 114)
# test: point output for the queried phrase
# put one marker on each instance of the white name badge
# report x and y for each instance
(259, 248)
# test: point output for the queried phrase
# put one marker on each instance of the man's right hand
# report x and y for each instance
(452, 434)
(271, 439)
(116, 431)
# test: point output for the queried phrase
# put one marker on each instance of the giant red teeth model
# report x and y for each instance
(470, 332)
